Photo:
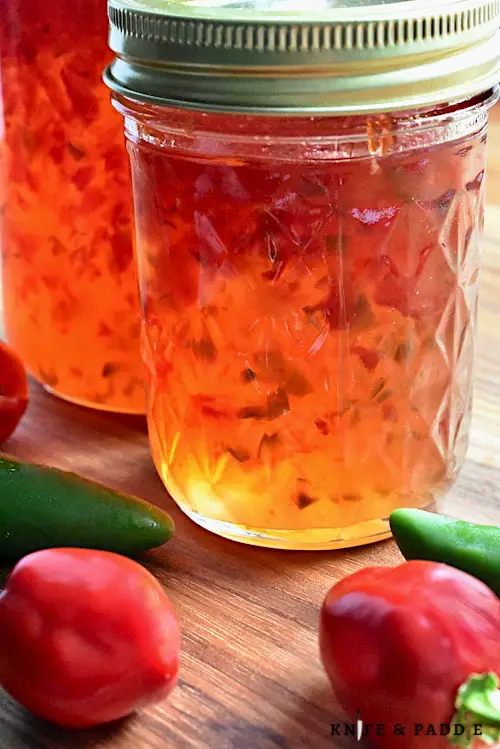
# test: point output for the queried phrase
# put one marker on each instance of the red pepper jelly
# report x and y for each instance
(308, 251)
(69, 278)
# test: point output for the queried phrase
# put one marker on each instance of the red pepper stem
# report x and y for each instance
(477, 715)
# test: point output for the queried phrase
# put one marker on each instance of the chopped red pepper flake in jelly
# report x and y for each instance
(70, 289)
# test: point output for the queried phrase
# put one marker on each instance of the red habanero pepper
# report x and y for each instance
(13, 391)
(86, 637)
(398, 644)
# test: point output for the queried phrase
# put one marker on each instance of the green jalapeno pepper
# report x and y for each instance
(43, 507)
(472, 548)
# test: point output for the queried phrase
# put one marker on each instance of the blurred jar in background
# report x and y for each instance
(69, 284)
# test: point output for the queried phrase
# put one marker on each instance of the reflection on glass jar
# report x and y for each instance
(309, 288)
(70, 290)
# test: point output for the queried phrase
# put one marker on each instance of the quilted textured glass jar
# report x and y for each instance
(309, 285)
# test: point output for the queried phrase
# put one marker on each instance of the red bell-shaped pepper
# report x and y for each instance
(414, 653)
(13, 391)
(86, 637)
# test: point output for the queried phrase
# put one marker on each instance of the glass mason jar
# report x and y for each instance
(69, 279)
(308, 229)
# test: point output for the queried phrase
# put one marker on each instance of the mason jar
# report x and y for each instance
(308, 191)
(70, 294)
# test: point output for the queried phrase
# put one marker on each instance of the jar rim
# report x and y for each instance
(317, 139)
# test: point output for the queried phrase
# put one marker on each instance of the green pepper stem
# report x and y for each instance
(477, 715)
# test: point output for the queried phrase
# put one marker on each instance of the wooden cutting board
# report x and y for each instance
(251, 676)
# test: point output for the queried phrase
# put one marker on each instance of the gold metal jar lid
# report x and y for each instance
(278, 57)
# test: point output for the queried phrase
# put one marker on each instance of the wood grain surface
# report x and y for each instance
(250, 676)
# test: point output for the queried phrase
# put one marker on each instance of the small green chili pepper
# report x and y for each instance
(43, 507)
(472, 548)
